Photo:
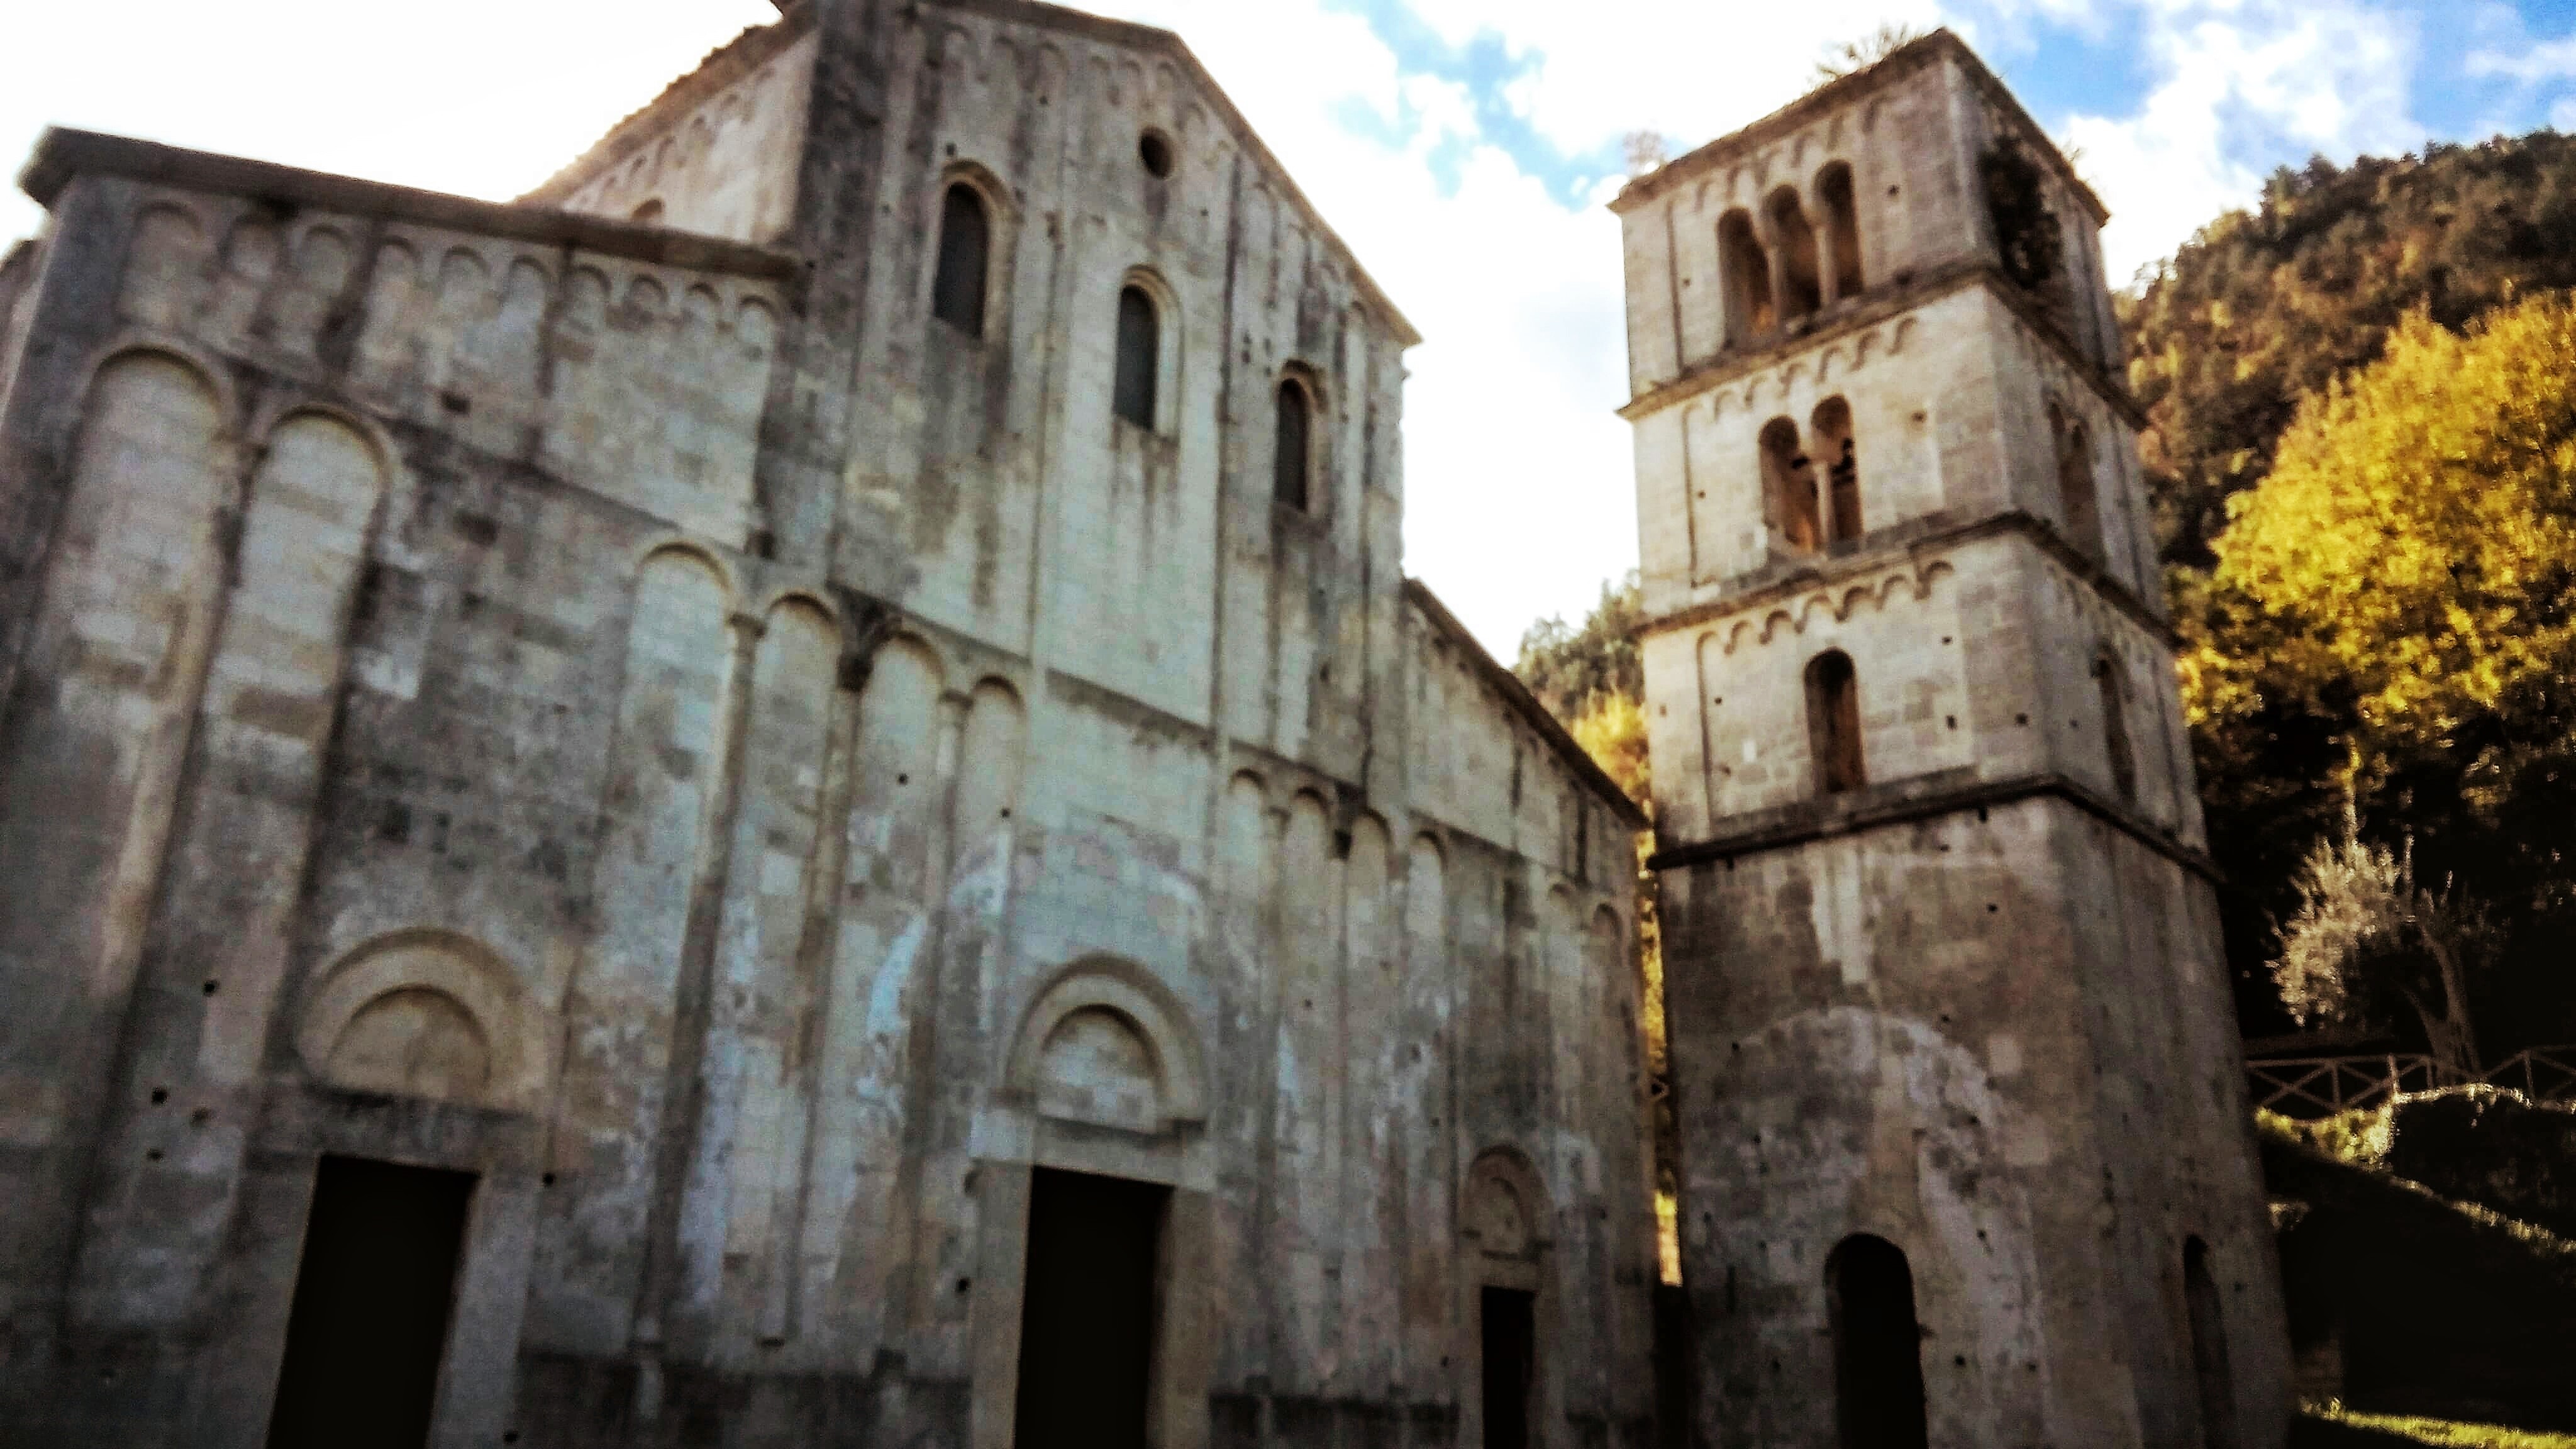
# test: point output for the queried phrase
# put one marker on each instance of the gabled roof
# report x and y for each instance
(753, 46)
(1516, 695)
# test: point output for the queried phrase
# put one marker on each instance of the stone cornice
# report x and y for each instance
(1518, 698)
(61, 156)
(1907, 802)
(1914, 544)
(1877, 306)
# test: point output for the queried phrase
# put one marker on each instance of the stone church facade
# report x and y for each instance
(1966, 1152)
(790, 794)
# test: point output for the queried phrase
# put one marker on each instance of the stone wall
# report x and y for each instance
(715, 154)
(452, 720)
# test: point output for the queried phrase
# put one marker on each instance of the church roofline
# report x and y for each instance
(61, 156)
(1896, 65)
(728, 63)
(723, 66)
(1169, 43)
(1525, 704)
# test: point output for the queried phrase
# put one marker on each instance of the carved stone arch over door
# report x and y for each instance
(425, 1013)
(1108, 1045)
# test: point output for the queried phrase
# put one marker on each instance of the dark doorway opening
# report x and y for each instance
(372, 1303)
(1511, 1363)
(1087, 1317)
(1878, 1346)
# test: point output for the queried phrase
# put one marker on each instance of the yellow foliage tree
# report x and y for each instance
(2417, 535)
(2395, 605)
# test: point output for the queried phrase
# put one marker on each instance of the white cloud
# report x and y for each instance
(2242, 85)
(2554, 60)
(1520, 496)
(1690, 68)
(1518, 491)
(482, 97)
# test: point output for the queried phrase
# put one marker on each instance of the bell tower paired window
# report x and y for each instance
(1802, 256)
(1811, 482)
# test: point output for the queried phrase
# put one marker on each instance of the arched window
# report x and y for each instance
(2075, 484)
(1745, 273)
(1801, 286)
(1833, 723)
(1842, 220)
(1878, 1346)
(2115, 725)
(1289, 460)
(1789, 488)
(1834, 451)
(965, 259)
(1140, 355)
(2209, 1348)
(647, 214)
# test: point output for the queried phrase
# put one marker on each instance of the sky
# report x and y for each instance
(1462, 148)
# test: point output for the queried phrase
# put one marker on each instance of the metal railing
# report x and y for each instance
(2322, 1086)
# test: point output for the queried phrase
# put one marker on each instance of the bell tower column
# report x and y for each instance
(1966, 1150)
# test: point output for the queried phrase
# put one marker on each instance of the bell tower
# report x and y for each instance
(1966, 1153)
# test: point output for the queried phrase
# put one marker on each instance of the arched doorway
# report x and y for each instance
(1878, 1345)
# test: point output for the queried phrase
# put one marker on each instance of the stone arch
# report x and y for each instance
(989, 760)
(1800, 280)
(1790, 503)
(425, 1012)
(970, 273)
(278, 416)
(1505, 1210)
(139, 345)
(163, 281)
(680, 547)
(1106, 1043)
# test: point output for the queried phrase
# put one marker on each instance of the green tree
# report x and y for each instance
(2368, 941)
(2265, 307)
(2390, 627)
(1568, 666)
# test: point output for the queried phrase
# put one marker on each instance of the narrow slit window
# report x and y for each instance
(1842, 218)
(1747, 276)
(1833, 723)
(1836, 453)
(1291, 461)
(965, 260)
(1878, 1346)
(2075, 493)
(2115, 727)
(1801, 285)
(1140, 349)
(1789, 486)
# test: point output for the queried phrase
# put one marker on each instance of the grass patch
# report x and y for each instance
(2443, 1432)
